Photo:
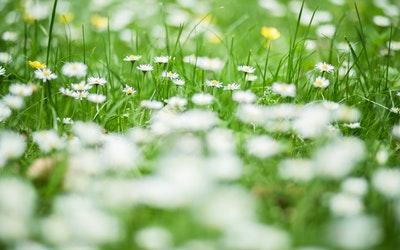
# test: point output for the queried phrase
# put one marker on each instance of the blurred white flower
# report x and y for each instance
(48, 140)
(262, 146)
(387, 182)
(74, 69)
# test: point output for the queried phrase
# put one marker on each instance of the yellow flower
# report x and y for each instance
(36, 65)
(99, 22)
(270, 33)
(65, 17)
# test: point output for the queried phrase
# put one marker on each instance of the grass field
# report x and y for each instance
(199, 125)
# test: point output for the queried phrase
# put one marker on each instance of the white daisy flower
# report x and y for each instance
(21, 89)
(13, 101)
(232, 86)
(321, 82)
(96, 98)
(243, 96)
(67, 121)
(80, 95)
(250, 78)
(246, 69)
(5, 57)
(151, 104)
(170, 75)
(262, 146)
(284, 89)
(48, 140)
(12, 146)
(96, 81)
(82, 86)
(176, 102)
(74, 69)
(145, 68)
(45, 74)
(178, 82)
(161, 59)
(213, 83)
(2, 71)
(128, 90)
(324, 67)
(5, 112)
(132, 58)
(202, 99)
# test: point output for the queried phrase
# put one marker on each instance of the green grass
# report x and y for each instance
(300, 209)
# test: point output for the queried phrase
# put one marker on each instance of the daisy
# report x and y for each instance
(213, 83)
(170, 75)
(232, 86)
(48, 140)
(80, 95)
(82, 86)
(96, 81)
(324, 67)
(128, 90)
(284, 89)
(21, 89)
(45, 74)
(243, 96)
(178, 82)
(74, 69)
(132, 58)
(321, 82)
(5, 57)
(161, 59)
(145, 68)
(67, 121)
(151, 104)
(96, 98)
(13, 101)
(5, 112)
(176, 102)
(246, 69)
(2, 71)
(202, 99)
(250, 78)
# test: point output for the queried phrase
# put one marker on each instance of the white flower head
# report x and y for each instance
(96, 98)
(99, 81)
(246, 69)
(128, 90)
(145, 68)
(262, 146)
(151, 104)
(74, 69)
(232, 86)
(2, 71)
(48, 140)
(284, 89)
(45, 74)
(324, 67)
(243, 96)
(20, 89)
(13, 101)
(202, 99)
(132, 58)
(213, 83)
(161, 59)
(321, 82)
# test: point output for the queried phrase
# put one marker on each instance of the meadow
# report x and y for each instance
(199, 125)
